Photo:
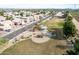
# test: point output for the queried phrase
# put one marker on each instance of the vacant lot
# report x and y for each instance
(28, 47)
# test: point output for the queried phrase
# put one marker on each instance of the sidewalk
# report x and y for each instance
(17, 29)
(12, 41)
(76, 23)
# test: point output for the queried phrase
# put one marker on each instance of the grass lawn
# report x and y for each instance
(2, 41)
(54, 23)
(28, 47)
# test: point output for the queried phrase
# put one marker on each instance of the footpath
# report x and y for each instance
(14, 41)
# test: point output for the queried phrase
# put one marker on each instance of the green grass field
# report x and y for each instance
(2, 41)
(54, 23)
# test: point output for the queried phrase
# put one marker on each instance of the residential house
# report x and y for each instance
(36, 17)
(59, 14)
(2, 18)
(6, 25)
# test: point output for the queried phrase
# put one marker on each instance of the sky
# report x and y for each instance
(39, 6)
(39, 3)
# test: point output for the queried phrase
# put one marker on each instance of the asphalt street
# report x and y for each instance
(21, 30)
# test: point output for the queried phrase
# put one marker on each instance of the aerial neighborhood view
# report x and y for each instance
(43, 31)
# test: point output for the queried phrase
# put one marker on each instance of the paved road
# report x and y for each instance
(17, 32)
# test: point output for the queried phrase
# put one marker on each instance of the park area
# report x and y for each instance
(27, 47)
(57, 45)
(54, 23)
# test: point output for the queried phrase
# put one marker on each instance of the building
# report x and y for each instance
(2, 18)
(6, 25)
(36, 17)
(59, 14)
(18, 21)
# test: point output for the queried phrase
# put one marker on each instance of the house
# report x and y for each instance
(5, 14)
(59, 14)
(23, 20)
(17, 16)
(16, 13)
(30, 19)
(18, 21)
(36, 17)
(6, 25)
(1, 27)
(2, 18)
(10, 13)
(28, 13)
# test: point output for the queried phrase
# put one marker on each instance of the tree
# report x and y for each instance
(69, 28)
(66, 14)
(68, 18)
(21, 14)
(37, 27)
(9, 18)
(1, 13)
(51, 13)
(75, 50)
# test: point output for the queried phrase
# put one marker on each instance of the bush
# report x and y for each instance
(68, 18)
(2, 41)
(74, 51)
(1, 13)
(21, 14)
(9, 17)
(66, 14)
(37, 27)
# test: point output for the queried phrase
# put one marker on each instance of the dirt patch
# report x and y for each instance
(28, 47)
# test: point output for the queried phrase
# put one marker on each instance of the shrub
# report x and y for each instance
(74, 51)
(2, 41)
